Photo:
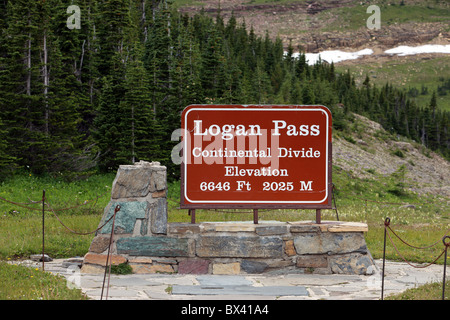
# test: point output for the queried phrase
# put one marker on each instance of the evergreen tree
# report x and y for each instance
(261, 84)
(5, 158)
(213, 74)
(7, 162)
(113, 23)
(21, 90)
(109, 125)
(431, 125)
(116, 87)
(308, 96)
(284, 94)
(301, 67)
(136, 108)
(157, 59)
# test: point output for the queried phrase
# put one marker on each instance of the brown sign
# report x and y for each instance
(256, 156)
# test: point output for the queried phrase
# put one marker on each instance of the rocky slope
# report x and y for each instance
(319, 25)
(370, 150)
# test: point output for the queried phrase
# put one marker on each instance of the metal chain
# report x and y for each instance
(408, 261)
(432, 245)
(76, 232)
(21, 204)
(83, 204)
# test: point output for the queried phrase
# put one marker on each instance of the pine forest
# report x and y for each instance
(111, 91)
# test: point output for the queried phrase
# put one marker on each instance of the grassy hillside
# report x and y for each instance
(392, 14)
(409, 72)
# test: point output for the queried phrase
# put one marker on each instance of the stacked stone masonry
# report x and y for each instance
(144, 239)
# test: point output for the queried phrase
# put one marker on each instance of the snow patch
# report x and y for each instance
(338, 55)
(428, 48)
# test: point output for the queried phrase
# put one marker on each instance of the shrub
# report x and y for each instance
(123, 268)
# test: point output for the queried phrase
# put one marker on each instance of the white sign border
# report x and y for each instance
(251, 108)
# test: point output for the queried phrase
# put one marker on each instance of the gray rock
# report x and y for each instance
(299, 228)
(158, 181)
(250, 266)
(131, 181)
(240, 246)
(240, 290)
(73, 262)
(38, 257)
(99, 244)
(331, 243)
(271, 230)
(159, 217)
(222, 280)
(354, 263)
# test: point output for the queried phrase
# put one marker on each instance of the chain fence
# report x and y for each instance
(445, 240)
(45, 204)
(387, 232)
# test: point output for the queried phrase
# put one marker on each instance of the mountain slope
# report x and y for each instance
(324, 24)
(367, 151)
(318, 25)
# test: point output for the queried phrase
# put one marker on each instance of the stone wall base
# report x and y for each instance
(239, 248)
(144, 239)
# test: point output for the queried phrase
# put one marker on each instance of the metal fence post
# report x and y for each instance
(386, 223)
(108, 256)
(43, 230)
(446, 244)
